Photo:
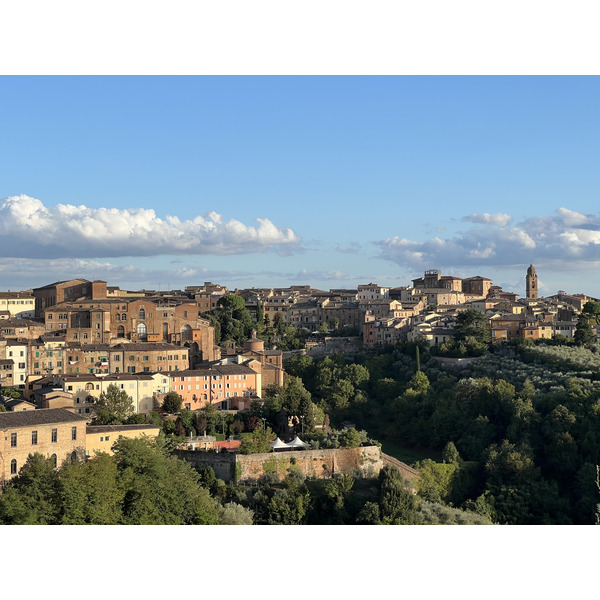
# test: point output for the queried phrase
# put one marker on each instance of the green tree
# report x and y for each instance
(278, 323)
(259, 440)
(90, 492)
(349, 438)
(435, 480)
(233, 513)
(584, 334)
(260, 318)
(11, 392)
(32, 497)
(397, 505)
(474, 324)
(231, 302)
(113, 406)
(172, 402)
(450, 454)
(159, 488)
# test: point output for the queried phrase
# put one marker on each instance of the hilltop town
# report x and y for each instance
(207, 360)
(69, 330)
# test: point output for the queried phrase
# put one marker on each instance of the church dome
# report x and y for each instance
(254, 344)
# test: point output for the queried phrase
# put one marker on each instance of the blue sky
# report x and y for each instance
(355, 179)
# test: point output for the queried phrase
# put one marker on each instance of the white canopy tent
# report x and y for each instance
(278, 445)
(297, 443)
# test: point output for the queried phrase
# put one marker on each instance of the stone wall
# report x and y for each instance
(223, 463)
(311, 463)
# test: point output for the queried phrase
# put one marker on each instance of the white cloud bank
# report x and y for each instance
(28, 229)
(499, 219)
(568, 237)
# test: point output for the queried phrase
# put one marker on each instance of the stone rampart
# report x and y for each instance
(322, 464)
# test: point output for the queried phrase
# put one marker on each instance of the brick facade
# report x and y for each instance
(54, 432)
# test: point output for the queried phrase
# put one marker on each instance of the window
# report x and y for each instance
(73, 433)
(34, 438)
(13, 467)
(142, 314)
(54, 460)
(13, 440)
(55, 435)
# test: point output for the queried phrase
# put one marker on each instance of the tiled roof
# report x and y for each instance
(109, 428)
(43, 416)
(149, 346)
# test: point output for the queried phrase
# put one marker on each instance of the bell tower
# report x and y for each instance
(531, 283)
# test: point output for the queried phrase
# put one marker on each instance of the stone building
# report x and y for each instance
(148, 357)
(56, 433)
(101, 438)
(67, 291)
(218, 385)
(20, 305)
(477, 286)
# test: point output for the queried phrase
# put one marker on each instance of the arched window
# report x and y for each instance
(54, 460)
(142, 314)
(74, 456)
(13, 467)
(142, 332)
(89, 386)
(123, 317)
(186, 333)
(118, 317)
(121, 331)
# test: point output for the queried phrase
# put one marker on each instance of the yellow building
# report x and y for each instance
(101, 438)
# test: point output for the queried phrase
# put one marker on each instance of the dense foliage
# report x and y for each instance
(140, 484)
(524, 423)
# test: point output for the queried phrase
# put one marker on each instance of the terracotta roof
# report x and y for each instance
(228, 445)
(109, 428)
(149, 346)
(214, 369)
(43, 416)
(27, 295)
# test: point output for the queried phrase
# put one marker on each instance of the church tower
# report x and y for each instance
(531, 283)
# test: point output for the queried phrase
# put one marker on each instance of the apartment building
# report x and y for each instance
(55, 433)
(19, 305)
(225, 386)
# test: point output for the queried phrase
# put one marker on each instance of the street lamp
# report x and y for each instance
(264, 424)
(302, 417)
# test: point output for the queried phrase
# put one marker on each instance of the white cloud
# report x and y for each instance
(499, 219)
(30, 229)
(566, 235)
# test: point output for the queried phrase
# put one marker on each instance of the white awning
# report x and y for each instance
(297, 443)
(277, 444)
